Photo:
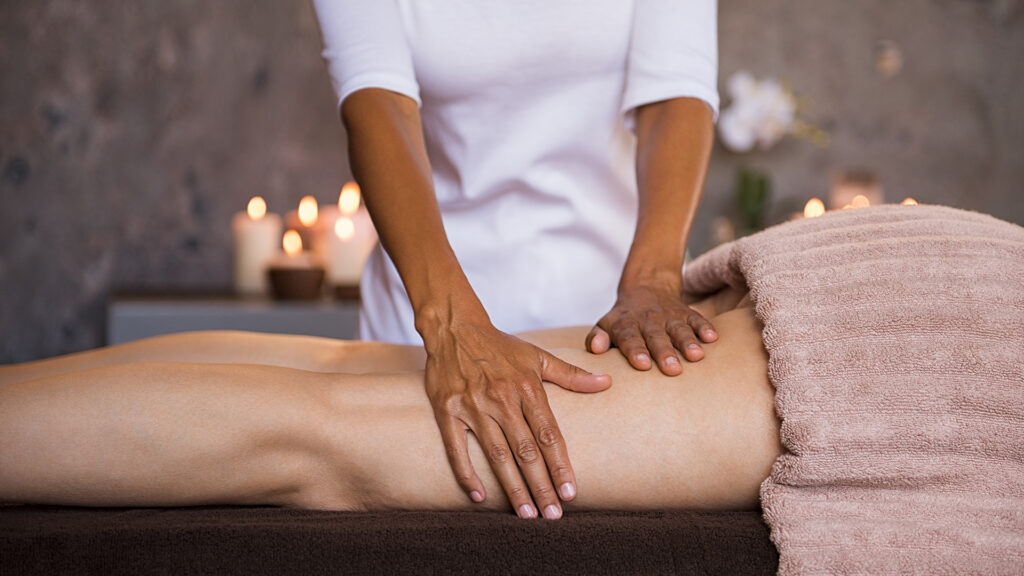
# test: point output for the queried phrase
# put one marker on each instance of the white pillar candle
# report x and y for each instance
(256, 235)
(345, 238)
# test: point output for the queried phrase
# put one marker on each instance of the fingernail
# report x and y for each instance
(567, 491)
(476, 496)
(671, 361)
(642, 357)
(693, 347)
(527, 511)
(552, 512)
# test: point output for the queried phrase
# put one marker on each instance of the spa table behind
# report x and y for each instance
(251, 541)
(131, 317)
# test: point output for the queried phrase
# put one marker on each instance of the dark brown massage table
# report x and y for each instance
(252, 541)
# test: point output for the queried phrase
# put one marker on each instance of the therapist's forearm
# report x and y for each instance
(674, 140)
(477, 378)
(389, 159)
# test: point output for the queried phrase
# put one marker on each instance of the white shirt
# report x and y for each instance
(526, 109)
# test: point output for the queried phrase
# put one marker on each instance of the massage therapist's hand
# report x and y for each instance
(650, 320)
(481, 379)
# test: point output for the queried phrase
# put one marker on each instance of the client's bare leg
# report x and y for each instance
(179, 434)
(160, 434)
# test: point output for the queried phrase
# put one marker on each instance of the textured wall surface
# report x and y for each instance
(948, 129)
(131, 131)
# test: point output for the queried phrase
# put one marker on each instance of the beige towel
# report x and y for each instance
(896, 344)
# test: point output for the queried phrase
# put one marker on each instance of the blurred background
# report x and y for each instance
(132, 131)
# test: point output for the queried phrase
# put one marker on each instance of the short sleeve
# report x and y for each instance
(365, 47)
(673, 53)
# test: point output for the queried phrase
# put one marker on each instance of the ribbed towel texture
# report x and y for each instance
(896, 344)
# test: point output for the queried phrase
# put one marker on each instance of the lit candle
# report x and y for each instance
(814, 208)
(293, 256)
(304, 221)
(308, 210)
(860, 201)
(909, 202)
(255, 234)
(350, 198)
(346, 237)
(856, 189)
(295, 274)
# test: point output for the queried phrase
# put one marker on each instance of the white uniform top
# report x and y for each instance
(526, 107)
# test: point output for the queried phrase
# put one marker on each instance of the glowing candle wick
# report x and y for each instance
(344, 229)
(308, 211)
(814, 208)
(292, 243)
(348, 200)
(257, 208)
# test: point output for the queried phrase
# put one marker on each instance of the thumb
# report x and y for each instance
(572, 377)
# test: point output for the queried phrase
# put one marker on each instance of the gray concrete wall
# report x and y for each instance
(948, 129)
(131, 131)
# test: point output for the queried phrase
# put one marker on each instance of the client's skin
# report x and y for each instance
(238, 418)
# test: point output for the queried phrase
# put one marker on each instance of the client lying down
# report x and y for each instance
(239, 418)
(867, 390)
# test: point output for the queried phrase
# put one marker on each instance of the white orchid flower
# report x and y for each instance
(741, 85)
(761, 113)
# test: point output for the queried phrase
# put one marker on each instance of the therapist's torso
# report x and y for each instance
(533, 164)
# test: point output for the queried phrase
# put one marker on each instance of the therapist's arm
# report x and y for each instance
(478, 378)
(649, 319)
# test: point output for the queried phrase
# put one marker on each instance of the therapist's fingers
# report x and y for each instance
(493, 384)
(684, 339)
(651, 325)
(570, 377)
(701, 327)
(540, 453)
(456, 447)
(598, 341)
(660, 345)
(503, 463)
(688, 335)
(626, 336)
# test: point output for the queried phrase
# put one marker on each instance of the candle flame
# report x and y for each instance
(348, 201)
(308, 211)
(909, 202)
(344, 229)
(814, 208)
(292, 243)
(257, 208)
(860, 201)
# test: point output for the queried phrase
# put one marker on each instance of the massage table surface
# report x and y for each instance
(263, 540)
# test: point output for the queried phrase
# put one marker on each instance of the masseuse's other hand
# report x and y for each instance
(651, 321)
(481, 379)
